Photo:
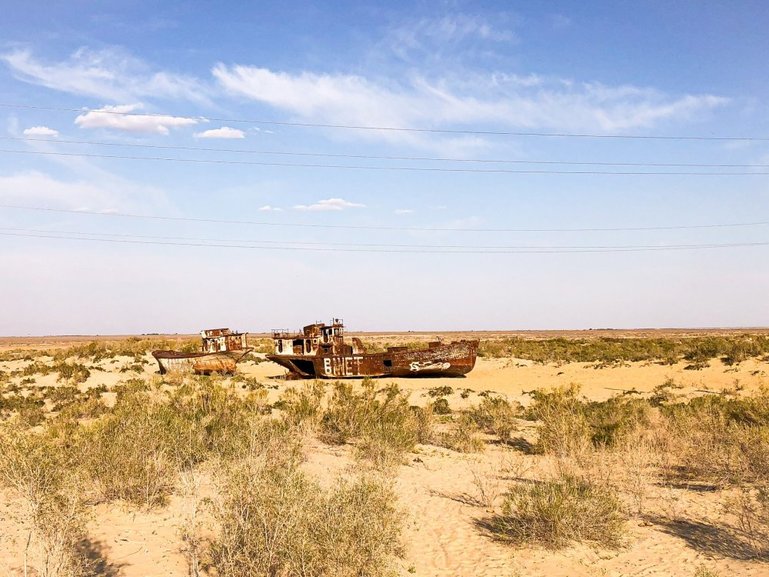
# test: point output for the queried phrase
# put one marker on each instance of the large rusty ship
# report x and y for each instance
(220, 350)
(320, 351)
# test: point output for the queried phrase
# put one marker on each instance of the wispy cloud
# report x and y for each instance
(223, 132)
(268, 208)
(41, 131)
(329, 204)
(120, 118)
(449, 29)
(403, 211)
(560, 21)
(109, 74)
(497, 101)
(33, 187)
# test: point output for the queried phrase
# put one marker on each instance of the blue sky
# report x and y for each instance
(389, 164)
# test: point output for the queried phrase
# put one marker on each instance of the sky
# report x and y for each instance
(435, 165)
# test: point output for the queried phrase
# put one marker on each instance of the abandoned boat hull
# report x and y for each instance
(198, 363)
(445, 360)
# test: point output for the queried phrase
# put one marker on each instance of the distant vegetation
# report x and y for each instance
(729, 349)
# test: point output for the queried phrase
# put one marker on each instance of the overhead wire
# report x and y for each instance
(380, 157)
(380, 168)
(381, 227)
(401, 128)
(358, 244)
(435, 250)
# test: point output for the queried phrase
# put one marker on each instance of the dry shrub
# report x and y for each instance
(276, 520)
(26, 410)
(638, 459)
(38, 469)
(207, 420)
(382, 422)
(463, 436)
(302, 406)
(720, 440)
(126, 456)
(136, 452)
(564, 429)
(571, 426)
(191, 526)
(496, 416)
(73, 373)
(488, 486)
(440, 406)
(751, 508)
(703, 571)
(560, 511)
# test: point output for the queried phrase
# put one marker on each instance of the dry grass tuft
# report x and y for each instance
(36, 467)
(497, 416)
(275, 520)
(560, 511)
(382, 422)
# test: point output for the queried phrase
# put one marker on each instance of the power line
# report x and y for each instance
(439, 250)
(404, 128)
(290, 243)
(379, 227)
(381, 168)
(374, 157)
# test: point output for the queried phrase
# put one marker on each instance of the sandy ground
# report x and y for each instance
(440, 490)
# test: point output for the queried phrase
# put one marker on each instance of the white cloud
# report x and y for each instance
(120, 118)
(329, 204)
(268, 208)
(498, 101)
(434, 33)
(35, 187)
(107, 74)
(223, 132)
(403, 211)
(91, 191)
(40, 131)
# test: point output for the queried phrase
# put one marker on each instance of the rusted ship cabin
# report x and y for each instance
(320, 351)
(220, 350)
(221, 340)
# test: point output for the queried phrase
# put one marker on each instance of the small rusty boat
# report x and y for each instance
(320, 351)
(221, 349)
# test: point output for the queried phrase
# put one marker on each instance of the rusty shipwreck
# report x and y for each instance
(220, 350)
(320, 351)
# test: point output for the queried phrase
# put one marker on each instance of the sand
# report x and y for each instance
(440, 492)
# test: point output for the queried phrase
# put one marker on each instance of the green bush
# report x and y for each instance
(73, 373)
(441, 406)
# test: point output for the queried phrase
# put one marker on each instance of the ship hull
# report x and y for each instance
(445, 360)
(198, 363)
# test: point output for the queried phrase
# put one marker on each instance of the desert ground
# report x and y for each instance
(676, 512)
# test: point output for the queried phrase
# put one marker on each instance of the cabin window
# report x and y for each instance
(388, 362)
(308, 345)
(280, 346)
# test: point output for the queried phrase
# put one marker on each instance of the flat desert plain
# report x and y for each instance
(451, 496)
